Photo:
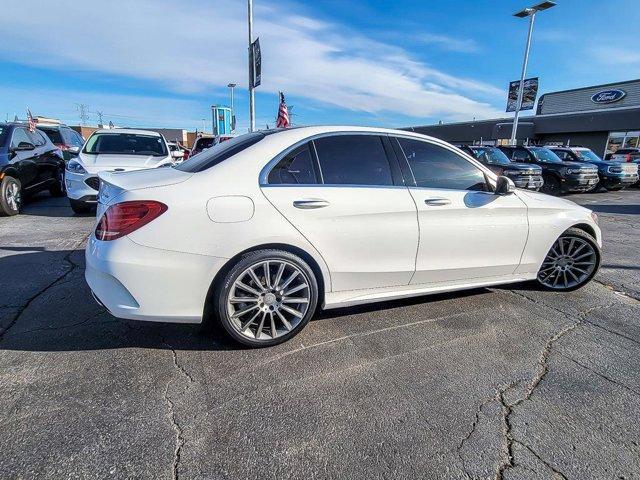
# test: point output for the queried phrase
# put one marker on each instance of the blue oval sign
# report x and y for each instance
(608, 96)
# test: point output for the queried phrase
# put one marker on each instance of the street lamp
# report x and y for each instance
(531, 13)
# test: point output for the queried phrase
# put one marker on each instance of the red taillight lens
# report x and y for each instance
(123, 218)
(61, 146)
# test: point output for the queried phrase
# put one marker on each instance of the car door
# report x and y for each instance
(466, 231)
(344, 194)
(43, 155)
(24, 160)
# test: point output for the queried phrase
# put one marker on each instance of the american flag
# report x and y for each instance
(32, 122)
(283, 114)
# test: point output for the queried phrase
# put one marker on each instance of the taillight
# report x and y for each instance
(627, 157)
(62, 146)
(123, 218)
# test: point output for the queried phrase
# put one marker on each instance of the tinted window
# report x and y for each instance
(353, 160)
(587, 155)
(544, 155)
(54, 135)
(520, 155)
(71, 137)
(295, 168)
(19, 135)
(436, 167)
(203, 143)
(37, 138)
(3, 136)
(220, 152)
(562, 154)
(126, 144)
(492, 156)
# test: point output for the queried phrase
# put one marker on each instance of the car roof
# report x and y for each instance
(131, 131)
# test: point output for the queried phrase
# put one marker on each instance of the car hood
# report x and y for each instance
(524, 167)
(106, 161)
(541, 200)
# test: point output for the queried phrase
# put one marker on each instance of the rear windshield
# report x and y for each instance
(491, 156)
(220, 152)
(545, 155)
(54, 135)
(205, 143)
(126, 144)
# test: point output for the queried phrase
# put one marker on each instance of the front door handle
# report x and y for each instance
(308, 204)
(437, 201)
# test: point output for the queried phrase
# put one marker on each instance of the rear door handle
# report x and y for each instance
(437, 201)
(311, 203)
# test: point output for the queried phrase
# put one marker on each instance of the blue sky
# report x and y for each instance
(162, 63)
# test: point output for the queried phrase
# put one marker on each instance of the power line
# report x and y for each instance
(82, 110)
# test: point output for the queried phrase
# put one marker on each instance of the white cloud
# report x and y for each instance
(446, 42)
(196, 46)
(617, 56)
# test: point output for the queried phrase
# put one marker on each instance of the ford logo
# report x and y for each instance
(608, 96)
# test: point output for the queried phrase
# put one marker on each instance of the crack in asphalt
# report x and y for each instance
(601, 375)
(543, 461)
(72, 267)
(179, 438)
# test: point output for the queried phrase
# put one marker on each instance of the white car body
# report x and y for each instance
(80, 186)
(370, 243)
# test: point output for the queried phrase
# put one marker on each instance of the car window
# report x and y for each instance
(220, 152)
(520, 155)
(19, 135)
(126, 144)
(54, 135)
(353, 160)
(202, 143)
(37, 138)
(562, 154)
(295, 168)
(491, 156)
(436, 167)
(71, 137)
(3, 136)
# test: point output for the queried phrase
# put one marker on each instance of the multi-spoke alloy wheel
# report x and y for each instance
(572, 261)
(10, 196)
(268, 297)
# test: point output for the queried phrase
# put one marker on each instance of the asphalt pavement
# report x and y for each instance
(512, 383)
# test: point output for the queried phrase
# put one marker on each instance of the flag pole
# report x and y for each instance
(252, 107)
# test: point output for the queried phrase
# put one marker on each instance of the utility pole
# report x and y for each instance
(252, 107)
(531, 13)
(82, 109)
(100, 115)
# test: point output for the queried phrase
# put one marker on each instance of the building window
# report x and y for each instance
(622, 140)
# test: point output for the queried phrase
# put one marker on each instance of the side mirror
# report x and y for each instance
(73, 150)
(504, 186)
(22, 146)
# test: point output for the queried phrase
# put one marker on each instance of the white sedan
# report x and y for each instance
(258, 231)
(120, 149)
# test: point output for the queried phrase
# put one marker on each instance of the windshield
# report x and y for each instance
(220, 152)
(126, 144)
(587, 155)
(490, 155)
(545, 155)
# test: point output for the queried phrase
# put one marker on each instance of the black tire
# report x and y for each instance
(224, 290)
(80, 207)
(574, 233)
(58, 189)
(10, 196)
(551, 185)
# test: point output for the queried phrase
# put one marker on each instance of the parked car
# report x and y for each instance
(258, 232)
(29, 163)
(559, 177)
(178, 152)
(631, 155)
(203, 143)
(523, 175)
(614, 175)
(66, 139)
(111, 150)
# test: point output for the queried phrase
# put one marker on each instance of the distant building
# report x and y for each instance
(601, 117)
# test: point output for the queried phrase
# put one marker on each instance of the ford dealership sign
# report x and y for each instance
(608, 96)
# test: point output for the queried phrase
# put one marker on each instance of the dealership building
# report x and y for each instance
(602, 118)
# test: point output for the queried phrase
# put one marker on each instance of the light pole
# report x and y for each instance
(531, 13)
(233, 114)
(252, 107)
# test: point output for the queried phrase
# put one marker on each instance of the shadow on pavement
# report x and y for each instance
(632, 209)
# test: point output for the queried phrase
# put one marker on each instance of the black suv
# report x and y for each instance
(65, 138)
(523, 175)
(614, 175)
(29, 162)
(559, 177)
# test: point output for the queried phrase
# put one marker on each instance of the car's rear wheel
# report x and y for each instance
(571, 263)
(10, 196)
(551, 185)
(266, 298)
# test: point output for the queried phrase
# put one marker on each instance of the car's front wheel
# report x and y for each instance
(551, 185)
(10, 196)
(80, 207)
(266, 298)
(571, 263)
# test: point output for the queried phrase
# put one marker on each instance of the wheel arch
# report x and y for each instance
(219, 277)
(586, 228)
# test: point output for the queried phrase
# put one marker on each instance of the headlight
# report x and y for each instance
(615, 169)
(75, 167)
(594, 217)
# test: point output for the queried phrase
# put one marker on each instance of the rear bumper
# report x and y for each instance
(143, 283)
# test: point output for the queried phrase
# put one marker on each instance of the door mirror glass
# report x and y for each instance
(25, 146)
(504, 186)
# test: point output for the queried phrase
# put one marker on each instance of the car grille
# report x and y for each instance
(93, 182)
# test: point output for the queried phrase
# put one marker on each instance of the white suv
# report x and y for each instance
(112, 150)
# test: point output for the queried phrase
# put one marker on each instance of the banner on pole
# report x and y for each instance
(256, 64)
(528, 95)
